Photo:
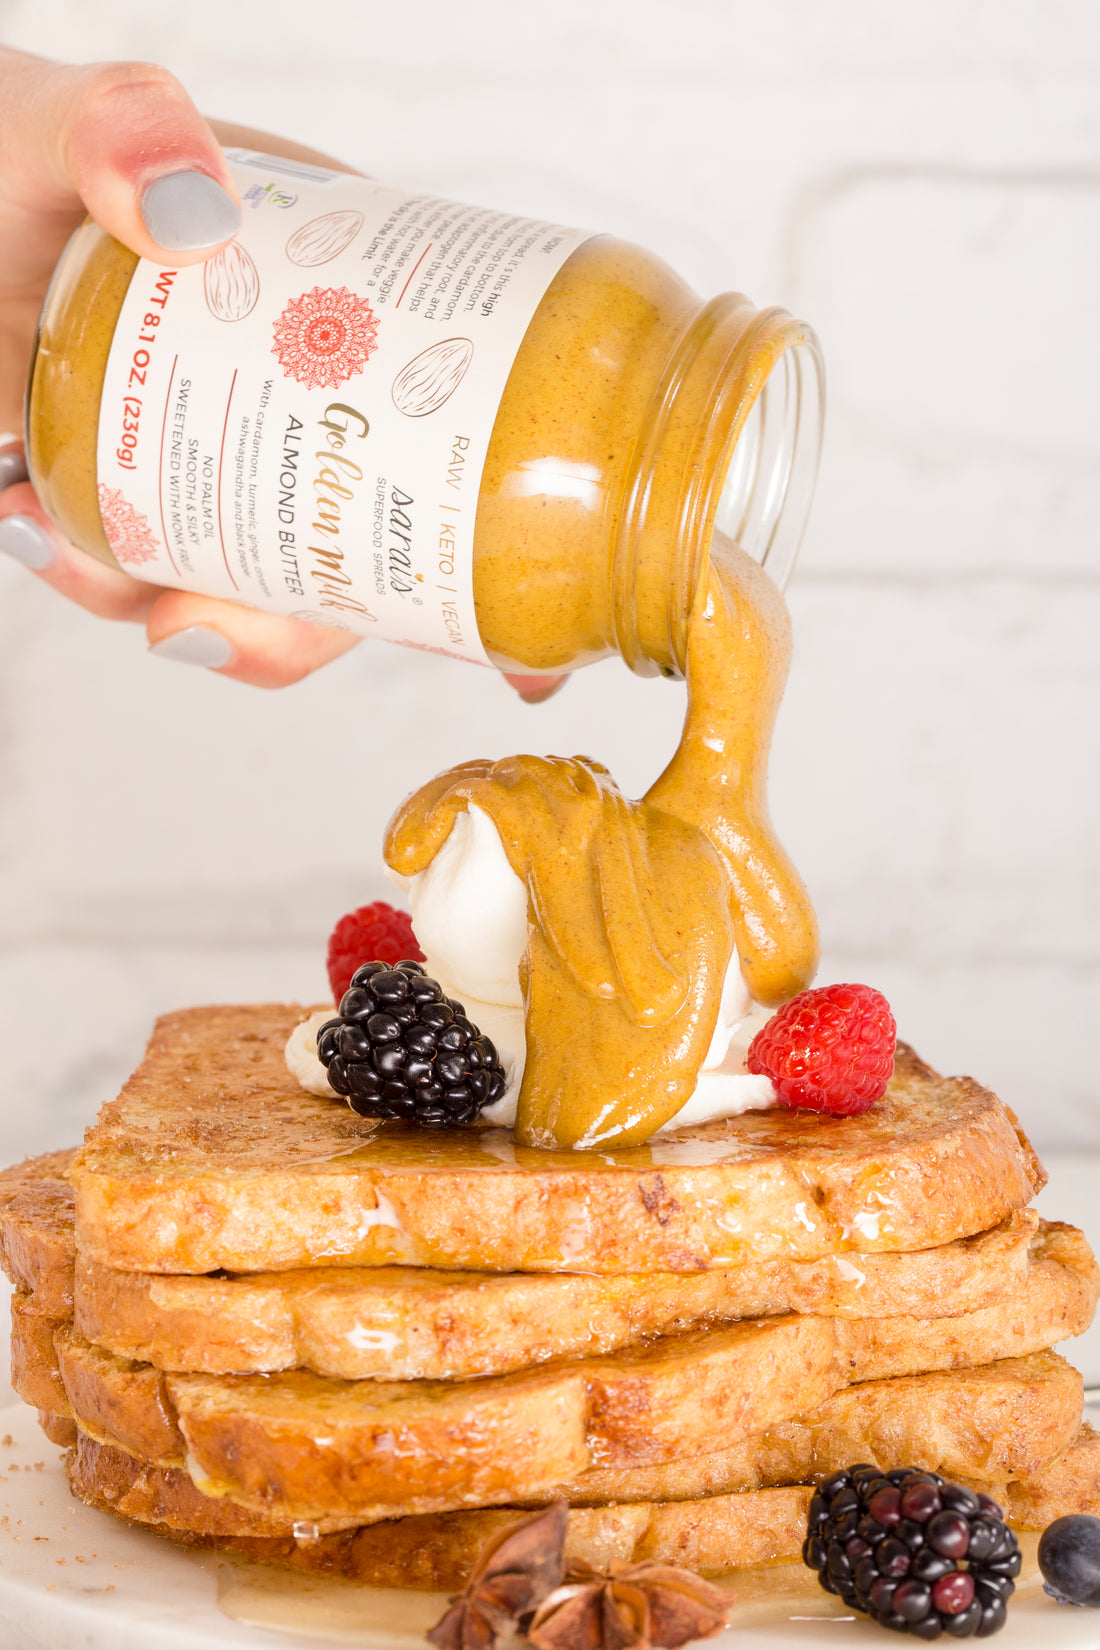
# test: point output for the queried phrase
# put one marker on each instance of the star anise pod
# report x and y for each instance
(514, 1572)
(633, 1607)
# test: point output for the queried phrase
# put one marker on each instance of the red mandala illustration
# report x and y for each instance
(324, 337)
(128, 531)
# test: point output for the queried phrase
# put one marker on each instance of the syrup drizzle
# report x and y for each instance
(768, 1596)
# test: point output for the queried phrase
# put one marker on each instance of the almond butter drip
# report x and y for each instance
(634, 908)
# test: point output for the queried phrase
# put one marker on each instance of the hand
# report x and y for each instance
(104, 139)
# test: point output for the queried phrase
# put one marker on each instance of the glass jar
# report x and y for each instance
(628, 421)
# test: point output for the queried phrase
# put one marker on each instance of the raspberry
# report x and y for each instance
(830, 1049)
(374, 933)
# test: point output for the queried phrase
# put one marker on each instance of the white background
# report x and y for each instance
(923, 184)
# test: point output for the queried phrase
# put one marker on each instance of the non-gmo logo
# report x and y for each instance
(271, 193)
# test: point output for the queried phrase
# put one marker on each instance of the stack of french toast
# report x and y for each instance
(261, 1323)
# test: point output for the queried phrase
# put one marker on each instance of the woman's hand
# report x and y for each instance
(124, 142)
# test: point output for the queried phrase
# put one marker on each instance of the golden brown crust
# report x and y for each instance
(710, 1534)
(35, 1375)
(318, 1448)
(212, 1157)
(988, 1425)
(311, 1445)
(405, 1323)
(37, 1244)
(1070, 1484)
(1053, 1299)
(409, 1323)
(438, 1552)
(59, 1429)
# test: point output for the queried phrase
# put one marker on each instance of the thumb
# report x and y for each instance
(126, 141)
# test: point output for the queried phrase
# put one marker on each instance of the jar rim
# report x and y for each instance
(734, 369)
(767, 489)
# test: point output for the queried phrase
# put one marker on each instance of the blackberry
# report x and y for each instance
(400, 1049)
(1069, 1559)
(918, 1554)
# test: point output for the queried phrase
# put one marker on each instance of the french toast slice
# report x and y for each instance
(368, 1449)
(438, 1552)
(415, 1323)
(37, 1243)
(993, 1423)
(213, 1157)
(711, 1534)
(405, 1323)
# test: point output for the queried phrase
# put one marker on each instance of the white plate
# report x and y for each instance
(75, 1579)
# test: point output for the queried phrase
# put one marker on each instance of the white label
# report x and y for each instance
(300, 424)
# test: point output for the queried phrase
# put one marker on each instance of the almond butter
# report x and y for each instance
(431, 377)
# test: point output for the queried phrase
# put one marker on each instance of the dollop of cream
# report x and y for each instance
(469, 912)
(300, 1054)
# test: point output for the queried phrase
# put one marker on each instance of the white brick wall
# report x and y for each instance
(923, 183)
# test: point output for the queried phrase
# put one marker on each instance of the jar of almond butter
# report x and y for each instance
(447, 426)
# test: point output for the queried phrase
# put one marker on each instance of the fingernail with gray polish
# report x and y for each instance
(13, 469)
(197, 645)
(185, 211)
(25, 540)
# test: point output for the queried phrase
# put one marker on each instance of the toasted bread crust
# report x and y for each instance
(998, 1422)
(35, 1375)
(399, 1323)
(710, 1534)
(310, 1446)
(438, 1552)
(408, 1323)
(37, 1240)
(987, 1424)
(1068, 1484)
(213, 1158)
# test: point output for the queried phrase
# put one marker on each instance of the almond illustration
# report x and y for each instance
(323, 238)
(231, 283)
(431, 377)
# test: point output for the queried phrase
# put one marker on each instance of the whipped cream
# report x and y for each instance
(470, 915)
(469, 912)
(300, 1054)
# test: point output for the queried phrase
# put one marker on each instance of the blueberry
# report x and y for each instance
(1069, 1558)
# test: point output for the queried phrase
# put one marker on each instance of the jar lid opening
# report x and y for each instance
(768, 487)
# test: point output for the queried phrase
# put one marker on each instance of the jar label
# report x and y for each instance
(300, 424)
